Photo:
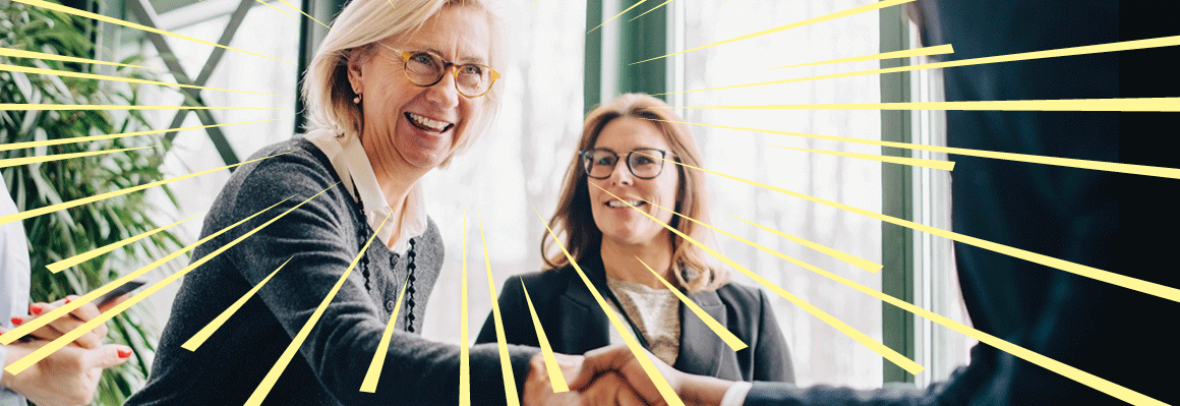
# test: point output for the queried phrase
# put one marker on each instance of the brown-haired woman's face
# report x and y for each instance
(618, 222)
(423, 125)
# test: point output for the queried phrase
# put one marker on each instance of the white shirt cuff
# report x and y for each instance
(736, 394)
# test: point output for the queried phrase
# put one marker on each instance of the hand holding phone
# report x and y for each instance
(77, 317)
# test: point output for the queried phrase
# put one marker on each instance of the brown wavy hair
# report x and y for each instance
(574, 221)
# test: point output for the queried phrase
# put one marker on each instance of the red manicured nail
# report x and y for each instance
(69, 300)
(16, 321)
(36, 309)
(124, 353)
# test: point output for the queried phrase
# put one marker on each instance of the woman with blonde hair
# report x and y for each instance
(619, 170)
(395, 90)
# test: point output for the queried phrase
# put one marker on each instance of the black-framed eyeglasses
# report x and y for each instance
(644, 163)
(426, 69)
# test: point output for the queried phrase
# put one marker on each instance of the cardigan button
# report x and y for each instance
(389, 305)
(393, 261)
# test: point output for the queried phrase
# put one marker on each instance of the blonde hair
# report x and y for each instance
(327, 92)
(573, 217)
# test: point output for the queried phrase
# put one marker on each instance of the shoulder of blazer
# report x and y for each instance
(544, 286)
(741, 297)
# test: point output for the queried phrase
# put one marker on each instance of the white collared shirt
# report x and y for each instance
(14, 279)
(352, 164)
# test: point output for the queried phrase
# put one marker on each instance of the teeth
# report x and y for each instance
(619, 203)
(426, 122)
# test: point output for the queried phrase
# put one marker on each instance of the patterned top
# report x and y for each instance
(655, 312)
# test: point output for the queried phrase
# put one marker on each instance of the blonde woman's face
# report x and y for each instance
(617, 221)
(421, 126)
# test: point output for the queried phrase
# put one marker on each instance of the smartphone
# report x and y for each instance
(120, 291)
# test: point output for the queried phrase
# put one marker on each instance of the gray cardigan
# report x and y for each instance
(322, 239)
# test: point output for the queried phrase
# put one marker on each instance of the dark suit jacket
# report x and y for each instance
(574, 324)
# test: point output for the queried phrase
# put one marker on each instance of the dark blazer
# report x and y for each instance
(574, 323)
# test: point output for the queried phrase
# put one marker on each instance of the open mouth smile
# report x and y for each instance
(427, 124)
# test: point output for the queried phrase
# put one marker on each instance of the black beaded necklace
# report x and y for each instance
(362, 237)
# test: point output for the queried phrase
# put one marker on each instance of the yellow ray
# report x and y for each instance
(66, 339)
(1082, 50)
(17, 53)
(369, 385)
(617, 15)
(4, 163)
(99, 17)
(666, 391)
(77, 259)
(272, 377)
(862, 338)
(925, 163)
(308, 16)
(62, 73)
(934, 50)
(80, 107)
(32, 144)
(555, 377)
(1153, 289)
(1156, 104)
(845, 13)
(510, 393)
(843, 256)
(1007, 156)
(277, 9)
(464, 339)
(78, 202)
(195, 342)
(535, 3)
(34, 324)
(735, 343)
(652, 9)
(1067, 371)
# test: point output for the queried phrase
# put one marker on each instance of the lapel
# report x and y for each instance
(585, 327)
(701, 350)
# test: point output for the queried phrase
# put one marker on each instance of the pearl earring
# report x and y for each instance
(357, 99)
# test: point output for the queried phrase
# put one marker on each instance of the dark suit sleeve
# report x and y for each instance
(772, 356)
(514, 313)
(343, 341)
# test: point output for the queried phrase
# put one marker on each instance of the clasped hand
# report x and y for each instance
(606, 376)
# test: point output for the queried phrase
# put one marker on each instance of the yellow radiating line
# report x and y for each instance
(721, 331)
(652, 9)
(843, 256)
(669, 394)
(925, 163)
(4, 163)
(1153, 289)
(510, 394)
(308, 16)
(77, 259)
(17, 53)
(1082, 50)
(534, 6)
(845, 13)
(1007, 156)
(369, 385)
(1156, 104)
(1067, 371)
(197, 339)
(464, 339)
(85, 14)
(555, 377)
(277, 9)
(934, 50)
(80, 107)
(34, 324)
(617, 16)
(32, 144)
(62, 73)
(272, 377)
(64, 340)
(889, 354)
(78, 202)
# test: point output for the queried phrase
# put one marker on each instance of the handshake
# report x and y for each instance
(613, 376)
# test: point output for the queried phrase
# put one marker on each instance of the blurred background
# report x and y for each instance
(559, 71)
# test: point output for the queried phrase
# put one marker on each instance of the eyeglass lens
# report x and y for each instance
(600, 163)
(425, 69)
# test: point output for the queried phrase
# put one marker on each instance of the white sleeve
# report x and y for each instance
(736, 394)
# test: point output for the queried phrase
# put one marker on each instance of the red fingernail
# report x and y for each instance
(16, 321)
(124, 353)
(35, 309)
(69, 300)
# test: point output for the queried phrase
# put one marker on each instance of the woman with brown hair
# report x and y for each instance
(618, 169)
